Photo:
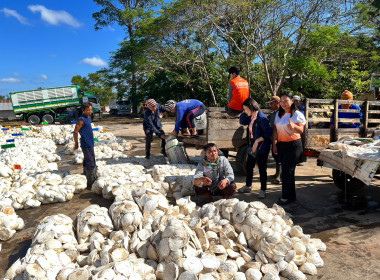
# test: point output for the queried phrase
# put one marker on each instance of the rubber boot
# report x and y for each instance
(278, 180)
(163, 152)
(278, 168)
(91, 177)
(147, 154)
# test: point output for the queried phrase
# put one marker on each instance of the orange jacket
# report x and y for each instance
(239, 94)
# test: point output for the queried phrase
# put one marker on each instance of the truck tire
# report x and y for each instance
(34, 119)
(241, 159)
(48, 118)
(345, 182)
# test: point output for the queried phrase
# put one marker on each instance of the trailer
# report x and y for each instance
(322, 128)
(226, 132)
(51, 104)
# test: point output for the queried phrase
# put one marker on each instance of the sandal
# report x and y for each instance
(245, 189)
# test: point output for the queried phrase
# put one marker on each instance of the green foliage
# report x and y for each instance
(96, 83)
(313, 48)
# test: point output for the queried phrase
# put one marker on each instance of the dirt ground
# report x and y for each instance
(348, 224)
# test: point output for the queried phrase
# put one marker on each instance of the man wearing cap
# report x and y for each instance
(347, 95)
(152, 124)
(274, 104)
(238, 92)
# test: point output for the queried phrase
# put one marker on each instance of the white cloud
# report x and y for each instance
(17, 75)
(10, 80)
(94, 61)
(15, 14)
(43, 76)
(54, 17)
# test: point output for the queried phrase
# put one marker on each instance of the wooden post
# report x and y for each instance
(306, 130)
(334, 135)
(364, 128)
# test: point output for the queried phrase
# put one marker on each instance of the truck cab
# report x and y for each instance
(89, 97)
(120, 107)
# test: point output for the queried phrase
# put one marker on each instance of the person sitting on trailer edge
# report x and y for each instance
(347, 95)
(187, 111)
(214, 175)
(238, 92)
(83, 126)
(151, 125)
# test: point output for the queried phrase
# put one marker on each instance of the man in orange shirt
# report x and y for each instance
(238, 92)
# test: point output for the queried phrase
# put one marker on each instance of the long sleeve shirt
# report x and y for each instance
(184, 107)
(348, 115)
(225, 171)
(262, 129)
(151, 121)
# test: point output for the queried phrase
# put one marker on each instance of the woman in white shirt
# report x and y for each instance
(288, 127)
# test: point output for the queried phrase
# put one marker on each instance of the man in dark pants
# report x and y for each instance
(83, 126)
(152, 124)
(274, 104)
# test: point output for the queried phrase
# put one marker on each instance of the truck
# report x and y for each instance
(51, 104)
(322, 115)
(120, 107)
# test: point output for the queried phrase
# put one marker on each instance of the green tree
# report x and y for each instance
(129, 14)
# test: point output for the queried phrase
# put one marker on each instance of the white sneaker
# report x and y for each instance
(261, 194)
(245, 189)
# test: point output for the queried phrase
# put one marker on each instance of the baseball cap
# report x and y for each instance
(296, 98)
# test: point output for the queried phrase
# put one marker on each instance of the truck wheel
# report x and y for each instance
(34, 119)
(48, 118)
(345, 182)
(241, 159)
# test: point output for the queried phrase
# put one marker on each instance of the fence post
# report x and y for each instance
(364, 128)
(334, 135)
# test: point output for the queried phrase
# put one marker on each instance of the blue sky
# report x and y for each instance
(45, 43)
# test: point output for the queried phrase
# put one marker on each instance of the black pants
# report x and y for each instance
(262, 164)
(290, 153)
(188, 118)
(89, 158)
(149, 140)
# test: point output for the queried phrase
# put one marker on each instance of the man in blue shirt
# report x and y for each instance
(347, 95)
(187, 111)
(151, 125)
(83, 126)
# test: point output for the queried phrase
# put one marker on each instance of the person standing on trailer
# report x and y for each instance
(84, 128)
(151, 125)
(186, 111)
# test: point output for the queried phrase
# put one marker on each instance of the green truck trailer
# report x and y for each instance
(51, 104)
